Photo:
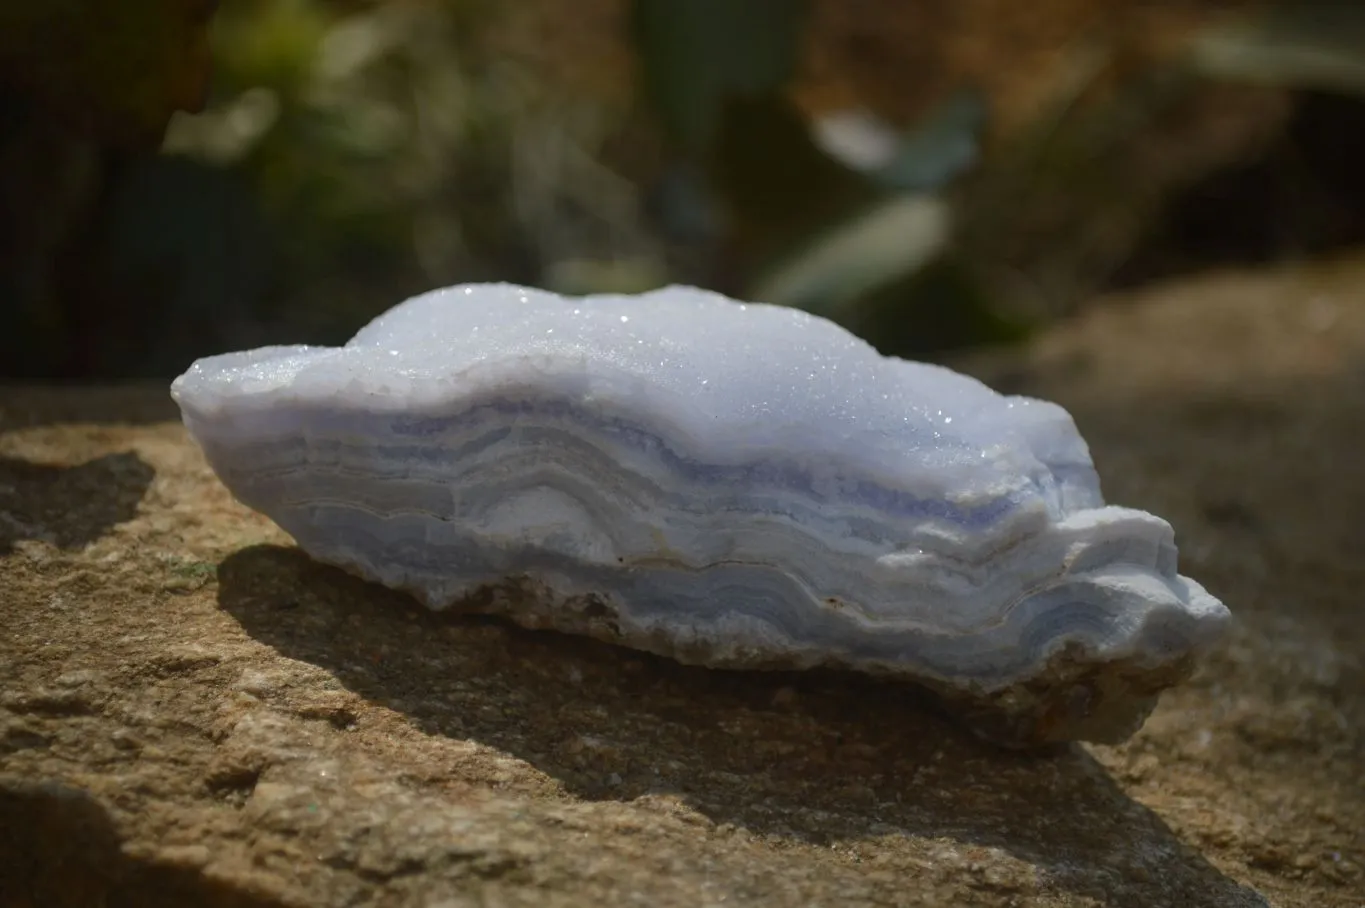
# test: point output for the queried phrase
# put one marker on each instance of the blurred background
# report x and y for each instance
(180, 177)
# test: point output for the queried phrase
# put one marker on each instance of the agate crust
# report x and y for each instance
(731, 485)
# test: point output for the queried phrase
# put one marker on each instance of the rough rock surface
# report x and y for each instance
(191, 712)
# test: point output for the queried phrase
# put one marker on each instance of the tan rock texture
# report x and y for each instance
(191, 712)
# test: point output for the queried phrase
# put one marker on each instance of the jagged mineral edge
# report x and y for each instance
(732, 485)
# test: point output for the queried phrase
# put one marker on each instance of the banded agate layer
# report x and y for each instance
(733, 485)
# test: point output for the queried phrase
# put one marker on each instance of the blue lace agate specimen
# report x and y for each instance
(732, 485)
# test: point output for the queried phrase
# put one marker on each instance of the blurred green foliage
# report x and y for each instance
(354, 152)
(1307, 44)
(387, 149)
(850, 240)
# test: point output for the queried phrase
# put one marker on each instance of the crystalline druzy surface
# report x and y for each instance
(733, 485)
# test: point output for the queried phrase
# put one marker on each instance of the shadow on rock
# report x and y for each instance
(813, 757)
(59, 848)
(69, 506)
